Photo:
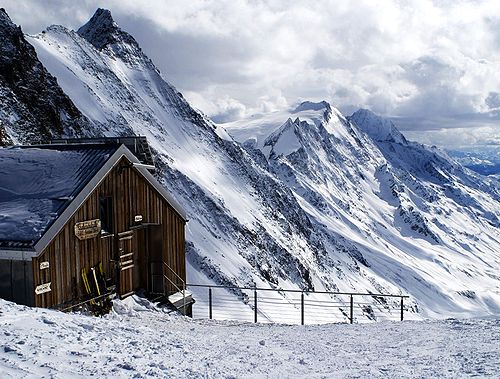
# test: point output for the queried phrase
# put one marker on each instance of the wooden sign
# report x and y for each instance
(44, 265)
(87, 229)
(43, 288)
(138, 218)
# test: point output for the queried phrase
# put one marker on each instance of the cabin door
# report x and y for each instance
(149, 247)
(126, 263)
(155, 258)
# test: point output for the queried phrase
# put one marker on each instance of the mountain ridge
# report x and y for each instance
(101, 30)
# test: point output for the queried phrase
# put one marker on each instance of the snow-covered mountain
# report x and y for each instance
(302, 199)
(245, 227)
(378, 128)
(484, 161)
(414, 216)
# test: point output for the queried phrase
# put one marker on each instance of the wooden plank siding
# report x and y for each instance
(131, 195)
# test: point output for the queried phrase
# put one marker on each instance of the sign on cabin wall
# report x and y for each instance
(44, 265)
(138, 218)
(87, 229)
(43, 288)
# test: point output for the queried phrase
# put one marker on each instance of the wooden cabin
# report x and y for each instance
(71, 206)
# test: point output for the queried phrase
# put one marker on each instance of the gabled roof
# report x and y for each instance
(45, 185)
(37, 184)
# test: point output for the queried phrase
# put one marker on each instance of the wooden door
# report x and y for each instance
(126, 264)
(148, 258)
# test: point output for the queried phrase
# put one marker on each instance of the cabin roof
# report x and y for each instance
(38, 183)
(41, 186)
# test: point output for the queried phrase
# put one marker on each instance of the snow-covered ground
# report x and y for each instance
(139, 340)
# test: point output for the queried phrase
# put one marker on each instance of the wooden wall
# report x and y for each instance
(67, 255)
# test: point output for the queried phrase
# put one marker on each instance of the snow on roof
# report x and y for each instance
(37, 184)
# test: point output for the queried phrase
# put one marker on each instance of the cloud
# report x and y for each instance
(34, 16)
(228, 110)
(484, 137)
(430, 64)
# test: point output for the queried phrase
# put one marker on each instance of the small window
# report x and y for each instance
(106, 214)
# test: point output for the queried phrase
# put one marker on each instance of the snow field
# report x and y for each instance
(139, 340)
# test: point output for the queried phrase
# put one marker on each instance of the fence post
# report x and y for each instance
(401, 308)
(352, 310)
(210, 303)
(255, 306)
(302, 308)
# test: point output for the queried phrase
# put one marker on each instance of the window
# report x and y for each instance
(106, 214)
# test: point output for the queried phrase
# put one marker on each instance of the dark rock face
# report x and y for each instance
(105, 35)
(4, 138)
(102, 31)
(33, 108)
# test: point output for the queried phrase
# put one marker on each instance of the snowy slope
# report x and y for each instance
(138, 340)
(308, 200)
(378, 128)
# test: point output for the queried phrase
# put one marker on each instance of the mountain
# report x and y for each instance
(414, 216)
(301, 199)
(34, 108)
(483, 161)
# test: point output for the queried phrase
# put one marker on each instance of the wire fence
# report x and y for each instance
(265, 305)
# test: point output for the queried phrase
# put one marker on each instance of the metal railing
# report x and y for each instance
(183, 291)
(292, 306)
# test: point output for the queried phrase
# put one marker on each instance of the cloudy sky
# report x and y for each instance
(434, 66)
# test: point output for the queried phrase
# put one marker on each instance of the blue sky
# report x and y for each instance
(431, 65)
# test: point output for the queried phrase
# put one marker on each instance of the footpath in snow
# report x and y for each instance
(138, 340)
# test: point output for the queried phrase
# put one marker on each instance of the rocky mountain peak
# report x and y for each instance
(4, 16)
(101, 31)
(10, 34)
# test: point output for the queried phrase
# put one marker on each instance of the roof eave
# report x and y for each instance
(163, 192)
(17, 254)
